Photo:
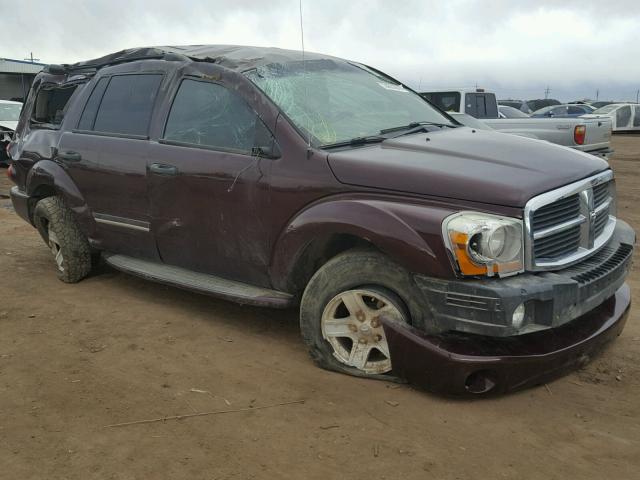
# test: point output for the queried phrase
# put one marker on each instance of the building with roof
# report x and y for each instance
(16, 77)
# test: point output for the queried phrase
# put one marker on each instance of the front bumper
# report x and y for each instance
(459, 364)
(551, 299)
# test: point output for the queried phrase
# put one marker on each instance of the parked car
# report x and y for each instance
(563, 111)
(517, 104)
(625, 117)
(9, 114)
(541, 103)
(591, 135)
(505, 111)
(461, 260)
(602, 104)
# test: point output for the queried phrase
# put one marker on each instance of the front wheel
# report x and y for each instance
(342, 307)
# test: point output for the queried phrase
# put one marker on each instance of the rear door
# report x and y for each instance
(107, 156)
(209, 192)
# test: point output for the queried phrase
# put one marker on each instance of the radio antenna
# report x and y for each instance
(304, 73)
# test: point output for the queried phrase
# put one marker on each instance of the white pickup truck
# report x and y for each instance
(590, 135)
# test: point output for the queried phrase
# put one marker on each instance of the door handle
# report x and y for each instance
(70, 156)
(163, 169)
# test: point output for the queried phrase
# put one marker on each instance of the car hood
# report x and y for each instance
(11, 125)
(465, 164)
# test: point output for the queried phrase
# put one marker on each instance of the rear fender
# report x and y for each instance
(47, 176)
(410, 234)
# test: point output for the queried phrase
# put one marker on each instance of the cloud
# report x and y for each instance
(507, 44)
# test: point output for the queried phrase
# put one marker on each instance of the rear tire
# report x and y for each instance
(350, 339)
(61, 232)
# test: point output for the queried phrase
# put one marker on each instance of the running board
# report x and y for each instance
(200, 282)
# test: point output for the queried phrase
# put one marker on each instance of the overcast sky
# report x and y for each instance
(516, 47)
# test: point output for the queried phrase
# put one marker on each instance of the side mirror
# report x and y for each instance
(550, 114)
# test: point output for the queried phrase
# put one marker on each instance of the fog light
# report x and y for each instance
(518, 316)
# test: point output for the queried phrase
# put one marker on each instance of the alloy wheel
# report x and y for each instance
(351, 323)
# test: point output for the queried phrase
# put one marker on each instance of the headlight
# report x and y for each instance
(484, 244)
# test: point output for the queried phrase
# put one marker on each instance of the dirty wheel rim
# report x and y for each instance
(351, 323)
(54, 245)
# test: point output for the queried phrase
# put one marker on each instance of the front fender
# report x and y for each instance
(49, 175)
(409, 233)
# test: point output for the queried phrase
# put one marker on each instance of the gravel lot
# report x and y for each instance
(113, 348)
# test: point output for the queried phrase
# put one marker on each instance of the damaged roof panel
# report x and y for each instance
(233, 57)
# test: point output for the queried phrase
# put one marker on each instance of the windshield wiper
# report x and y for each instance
(356, 141)
(415, 127)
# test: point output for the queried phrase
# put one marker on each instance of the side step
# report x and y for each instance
(200, 282)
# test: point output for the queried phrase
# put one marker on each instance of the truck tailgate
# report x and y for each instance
(598, 134)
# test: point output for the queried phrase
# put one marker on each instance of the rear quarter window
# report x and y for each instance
(51, 105)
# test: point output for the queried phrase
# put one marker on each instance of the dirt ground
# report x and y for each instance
(114, 348)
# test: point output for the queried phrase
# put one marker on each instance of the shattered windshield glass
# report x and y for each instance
(10, 111)
(334, 101)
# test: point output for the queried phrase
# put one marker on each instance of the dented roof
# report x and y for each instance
(234, 57)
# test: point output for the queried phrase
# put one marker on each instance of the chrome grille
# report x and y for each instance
(558, 245)
(556, 213)
(568, 224)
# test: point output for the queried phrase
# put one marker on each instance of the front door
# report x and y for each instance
(209, 194)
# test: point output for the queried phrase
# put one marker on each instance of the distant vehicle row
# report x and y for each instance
(590, 135)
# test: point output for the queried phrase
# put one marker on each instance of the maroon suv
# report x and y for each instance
(458, 259)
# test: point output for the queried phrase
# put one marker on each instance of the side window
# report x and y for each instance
(91, 107)
(447, 101)
(623, 115)
(576, 110)
(124, 105)
(210, 115)
(51, 105)
(636, 117)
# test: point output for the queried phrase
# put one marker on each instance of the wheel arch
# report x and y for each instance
(408, 234)
(47, 178)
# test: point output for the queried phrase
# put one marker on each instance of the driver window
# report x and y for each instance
(209, 115)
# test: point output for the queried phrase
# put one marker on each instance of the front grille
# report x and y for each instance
(601, 222)
(569, 223)
(600, 193)
(556, 213)
(558, 245)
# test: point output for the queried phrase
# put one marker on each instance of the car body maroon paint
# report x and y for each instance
(465, 164)
(260, 225)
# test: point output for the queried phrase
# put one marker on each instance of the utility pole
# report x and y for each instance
(547, 91)
(31, 59)
(597, 93)
(637, 95)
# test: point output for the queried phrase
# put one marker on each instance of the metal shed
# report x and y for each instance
(16, 77)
